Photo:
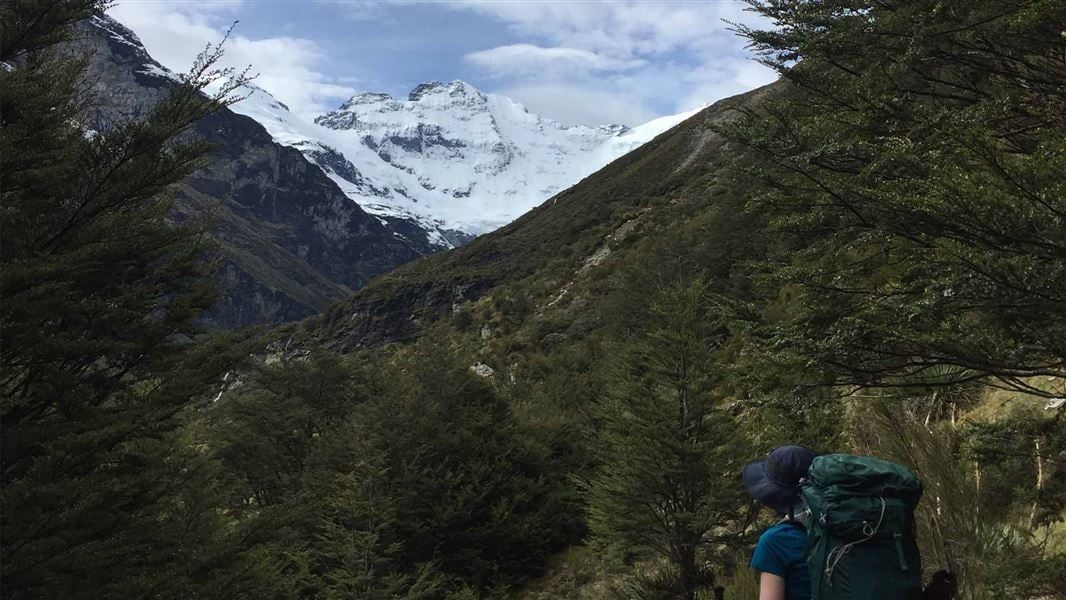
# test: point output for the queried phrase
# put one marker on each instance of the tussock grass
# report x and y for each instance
(984, 551)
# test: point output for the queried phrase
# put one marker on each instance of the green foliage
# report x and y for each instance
(744, 584)
(578, 573)
(403, 476)
(1027, 571)
(104, 494)
(304, 466)
(670, 454)
(267, 428)
(460, 475)
(914, 172)
(1022, 463)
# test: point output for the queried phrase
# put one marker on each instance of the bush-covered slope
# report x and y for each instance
(546, 255)
(595, 375)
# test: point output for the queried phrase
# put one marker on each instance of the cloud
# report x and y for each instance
(620, 29)
(672, 55)
(174, 33)
(624, 60)
(723, 79)
(365, 11)
(574, 105)
(528, 60)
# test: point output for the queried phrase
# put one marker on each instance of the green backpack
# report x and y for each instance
(861, 535)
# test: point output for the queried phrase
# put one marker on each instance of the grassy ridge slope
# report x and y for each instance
(547, 249)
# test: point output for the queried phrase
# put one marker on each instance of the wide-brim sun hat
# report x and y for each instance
(775, 482)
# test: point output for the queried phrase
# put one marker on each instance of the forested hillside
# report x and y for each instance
(867, 256)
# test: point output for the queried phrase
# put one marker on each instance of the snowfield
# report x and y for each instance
(449, 158)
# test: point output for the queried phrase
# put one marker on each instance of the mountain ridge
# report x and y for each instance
(450, 160)
(293, 241)
(290, 243)
(554, 250)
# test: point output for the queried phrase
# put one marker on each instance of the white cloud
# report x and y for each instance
(722, 79)
(619, 29)
(364, 10)
(574, 105)
(575, 61)
(649, 53)
(174, 32)
(528, 60)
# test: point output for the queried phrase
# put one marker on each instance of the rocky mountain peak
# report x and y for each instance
(614, 129)
(289, 240)
(448, 161)
(455, 90)
(120, 33)
(367, 98)
(124, 46)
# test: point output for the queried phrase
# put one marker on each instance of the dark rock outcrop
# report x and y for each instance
(291, 242)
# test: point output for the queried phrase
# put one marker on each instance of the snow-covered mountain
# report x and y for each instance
(425, 174)
(449, 162)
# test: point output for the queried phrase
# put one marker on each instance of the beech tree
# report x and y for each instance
(913, 166)
(104, 494)
(669, 484)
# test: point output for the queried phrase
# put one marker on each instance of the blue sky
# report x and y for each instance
(574, 61)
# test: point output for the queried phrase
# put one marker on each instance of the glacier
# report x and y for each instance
(451, 160)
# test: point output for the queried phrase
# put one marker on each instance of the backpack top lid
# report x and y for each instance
(841, 476)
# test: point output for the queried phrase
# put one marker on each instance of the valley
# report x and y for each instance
(444, 348)
(276, 188)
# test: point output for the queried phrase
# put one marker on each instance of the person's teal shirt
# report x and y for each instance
(780, 551)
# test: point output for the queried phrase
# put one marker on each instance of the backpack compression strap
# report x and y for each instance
(838, 553)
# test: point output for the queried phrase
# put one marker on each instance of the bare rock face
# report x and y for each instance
(291, 241)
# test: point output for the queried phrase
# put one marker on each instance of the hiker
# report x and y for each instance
(779, 555)
(846, 529)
